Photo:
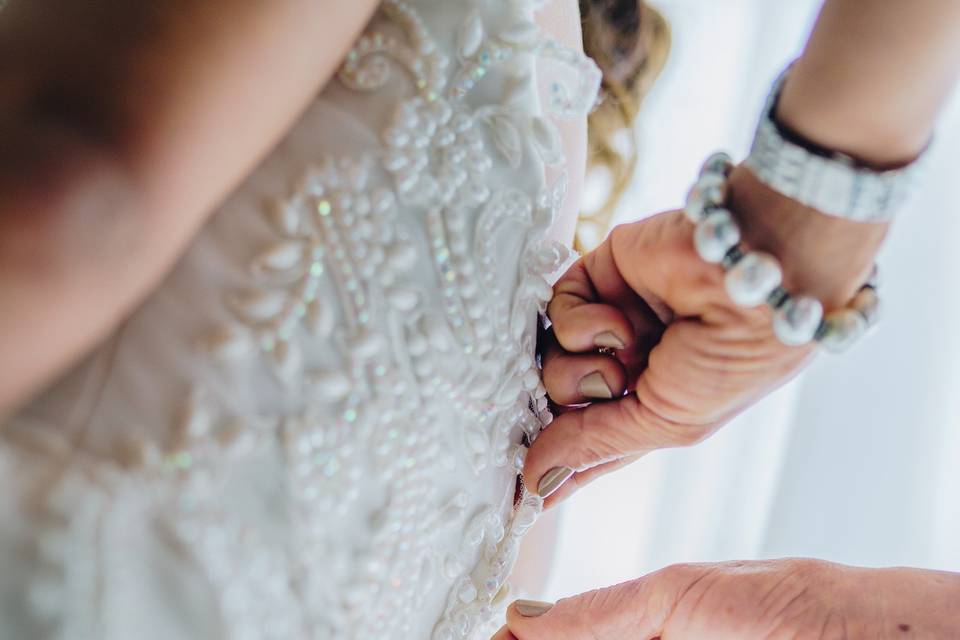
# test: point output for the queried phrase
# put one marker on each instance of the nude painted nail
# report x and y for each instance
(609, 340)
(552, 480)
(594, 386)
(532, 608)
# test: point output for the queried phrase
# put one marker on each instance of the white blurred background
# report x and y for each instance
(859, 460)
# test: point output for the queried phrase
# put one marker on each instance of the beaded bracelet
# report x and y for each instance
(755, 277)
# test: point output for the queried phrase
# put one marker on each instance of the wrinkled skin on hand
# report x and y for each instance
(792, 599)
(680, 360)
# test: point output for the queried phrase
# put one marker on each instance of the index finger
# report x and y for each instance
(580, 321)
(680, 399)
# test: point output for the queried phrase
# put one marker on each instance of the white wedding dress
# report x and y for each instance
(313, 428)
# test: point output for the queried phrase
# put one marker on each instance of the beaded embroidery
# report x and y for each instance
(342, 273)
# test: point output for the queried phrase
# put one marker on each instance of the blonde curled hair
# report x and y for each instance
(629, 41)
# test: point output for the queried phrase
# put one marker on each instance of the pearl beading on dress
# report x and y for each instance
(754, 277)
(340, 274)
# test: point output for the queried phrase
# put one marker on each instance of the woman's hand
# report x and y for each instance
(689, 358)
(766, 600)
(693, 359)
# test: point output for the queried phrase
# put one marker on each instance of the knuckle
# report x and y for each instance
(567, 285)
(628, 597)
(804, 569)
(653, 394)
(596, 446)
(633, 411)
(591, 611)
(553, 307)
(577, 603)
(559, 306)
(606, 442)
(623, 233)
(661, 592)
(679, 578)
(678, 572)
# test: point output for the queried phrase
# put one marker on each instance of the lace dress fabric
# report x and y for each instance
(313, 428)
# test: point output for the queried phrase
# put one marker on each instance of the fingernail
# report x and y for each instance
(594, 386)
(552, 480)
(532, 608)
(609, 340)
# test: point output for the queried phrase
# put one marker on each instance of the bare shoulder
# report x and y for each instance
(122, 124)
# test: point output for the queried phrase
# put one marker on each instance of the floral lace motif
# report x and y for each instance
(341, 277)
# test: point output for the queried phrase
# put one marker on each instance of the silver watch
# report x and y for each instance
(825, 180)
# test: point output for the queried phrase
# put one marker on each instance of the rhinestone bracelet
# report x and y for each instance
(823, 179)
(755, 277)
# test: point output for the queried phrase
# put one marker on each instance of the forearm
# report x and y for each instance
(874, 76)
(869, 84)
(121, 125)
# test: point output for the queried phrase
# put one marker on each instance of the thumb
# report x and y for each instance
(698, 377)
(613, 613)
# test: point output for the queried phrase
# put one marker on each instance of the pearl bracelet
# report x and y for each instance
(755, 277)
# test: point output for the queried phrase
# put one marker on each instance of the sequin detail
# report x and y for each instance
(391, 262)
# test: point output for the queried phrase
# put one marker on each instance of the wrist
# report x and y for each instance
(841, 112)
(822, 256)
